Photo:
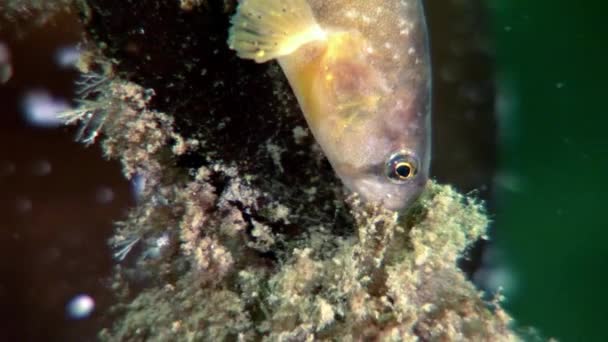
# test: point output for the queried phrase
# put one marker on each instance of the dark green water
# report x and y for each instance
(553, 207)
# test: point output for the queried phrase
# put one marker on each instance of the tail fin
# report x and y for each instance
(267, 29)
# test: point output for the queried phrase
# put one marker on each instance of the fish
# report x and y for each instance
(361, 72)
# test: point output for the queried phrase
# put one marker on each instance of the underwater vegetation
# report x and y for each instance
(242, 231)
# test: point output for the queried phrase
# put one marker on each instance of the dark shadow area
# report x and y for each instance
(464, 119)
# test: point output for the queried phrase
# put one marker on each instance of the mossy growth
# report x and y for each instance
(396, 279)
(241, 230)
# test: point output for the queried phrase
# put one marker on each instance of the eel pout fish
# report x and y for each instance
(360, 70)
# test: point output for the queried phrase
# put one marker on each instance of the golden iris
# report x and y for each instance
(401, 166)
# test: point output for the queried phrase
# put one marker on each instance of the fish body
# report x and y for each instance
(360, 70)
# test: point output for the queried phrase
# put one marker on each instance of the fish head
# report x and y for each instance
(386, 159)
(396, 183)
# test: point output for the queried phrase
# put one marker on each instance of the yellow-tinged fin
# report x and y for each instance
(267, 29)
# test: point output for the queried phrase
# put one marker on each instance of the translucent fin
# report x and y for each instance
(267, 29)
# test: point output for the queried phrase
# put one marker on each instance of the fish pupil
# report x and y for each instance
(403, 170)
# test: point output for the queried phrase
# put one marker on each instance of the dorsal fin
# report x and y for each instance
(267, 29)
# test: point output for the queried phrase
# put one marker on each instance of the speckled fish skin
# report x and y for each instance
(365, 91)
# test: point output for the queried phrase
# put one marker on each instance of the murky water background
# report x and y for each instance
(57, 198)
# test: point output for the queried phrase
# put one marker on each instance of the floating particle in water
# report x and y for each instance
(497, 279)
(41, 168)
(80, 306)
(6, 69)
(40, 109)
(508, 181)
(23, 205)
(495, 275)
(104, 195)
(67, 56)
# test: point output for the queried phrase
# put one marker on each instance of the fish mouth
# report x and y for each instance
(376, 189)
(373, 186)
(385, 193)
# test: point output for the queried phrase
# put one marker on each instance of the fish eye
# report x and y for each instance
(401, 166)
